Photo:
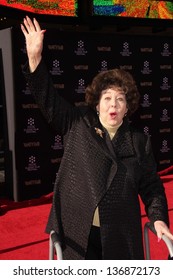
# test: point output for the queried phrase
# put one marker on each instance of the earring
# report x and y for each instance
(98, 113)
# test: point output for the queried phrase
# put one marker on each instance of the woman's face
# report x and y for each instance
(112, 106)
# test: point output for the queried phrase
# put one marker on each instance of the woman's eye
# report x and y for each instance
(120, 99)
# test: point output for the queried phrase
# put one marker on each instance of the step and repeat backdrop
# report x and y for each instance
(73, 59)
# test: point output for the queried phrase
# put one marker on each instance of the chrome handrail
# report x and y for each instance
(54, 246)
(148, 226)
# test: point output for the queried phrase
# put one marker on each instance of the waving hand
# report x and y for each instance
(34, 36)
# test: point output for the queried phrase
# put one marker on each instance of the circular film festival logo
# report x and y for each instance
(146, 102)
(56, 69)
(80, 48)
(31, 128)
(26, 91)
(125, 51)
(165, 117)
(32, 165)
(146, 68)
(81, 86)
(164, 147)
(165, 84)
(57, 143)
(146, 131)
(166, 51)
(104, 66)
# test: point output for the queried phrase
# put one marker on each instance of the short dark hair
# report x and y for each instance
(110, 79)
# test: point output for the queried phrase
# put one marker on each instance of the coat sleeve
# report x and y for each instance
(57, 111)
(151, 188)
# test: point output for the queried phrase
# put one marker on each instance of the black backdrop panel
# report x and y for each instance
(73, 58)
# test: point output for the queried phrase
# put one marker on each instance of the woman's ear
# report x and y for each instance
(126, 112)
(97, 108)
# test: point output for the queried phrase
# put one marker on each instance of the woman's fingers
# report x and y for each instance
(29, 24)
(29, 27)
(161, 228)
(165, 231)
(24, 30)
(168, 234)
(37, 26)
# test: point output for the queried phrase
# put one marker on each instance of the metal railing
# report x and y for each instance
(149, 227)
(55, 249)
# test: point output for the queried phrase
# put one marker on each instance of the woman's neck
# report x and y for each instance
(111, 129)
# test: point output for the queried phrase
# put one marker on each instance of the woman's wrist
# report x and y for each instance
(34, 62)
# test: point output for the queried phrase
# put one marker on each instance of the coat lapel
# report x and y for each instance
(120, 146)
(102, 141)
(97, 132)
(101, 138)
(122, 142)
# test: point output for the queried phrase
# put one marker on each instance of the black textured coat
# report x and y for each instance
(96, 171)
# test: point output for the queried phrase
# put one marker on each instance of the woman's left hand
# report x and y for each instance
(161, 228)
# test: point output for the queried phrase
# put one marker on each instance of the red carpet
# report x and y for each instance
(159, 250)
(23, 223)
(22, 227)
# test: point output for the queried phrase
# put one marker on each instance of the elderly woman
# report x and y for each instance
(106, 163)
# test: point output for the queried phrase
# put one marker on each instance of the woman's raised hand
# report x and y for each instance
(34, 36)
